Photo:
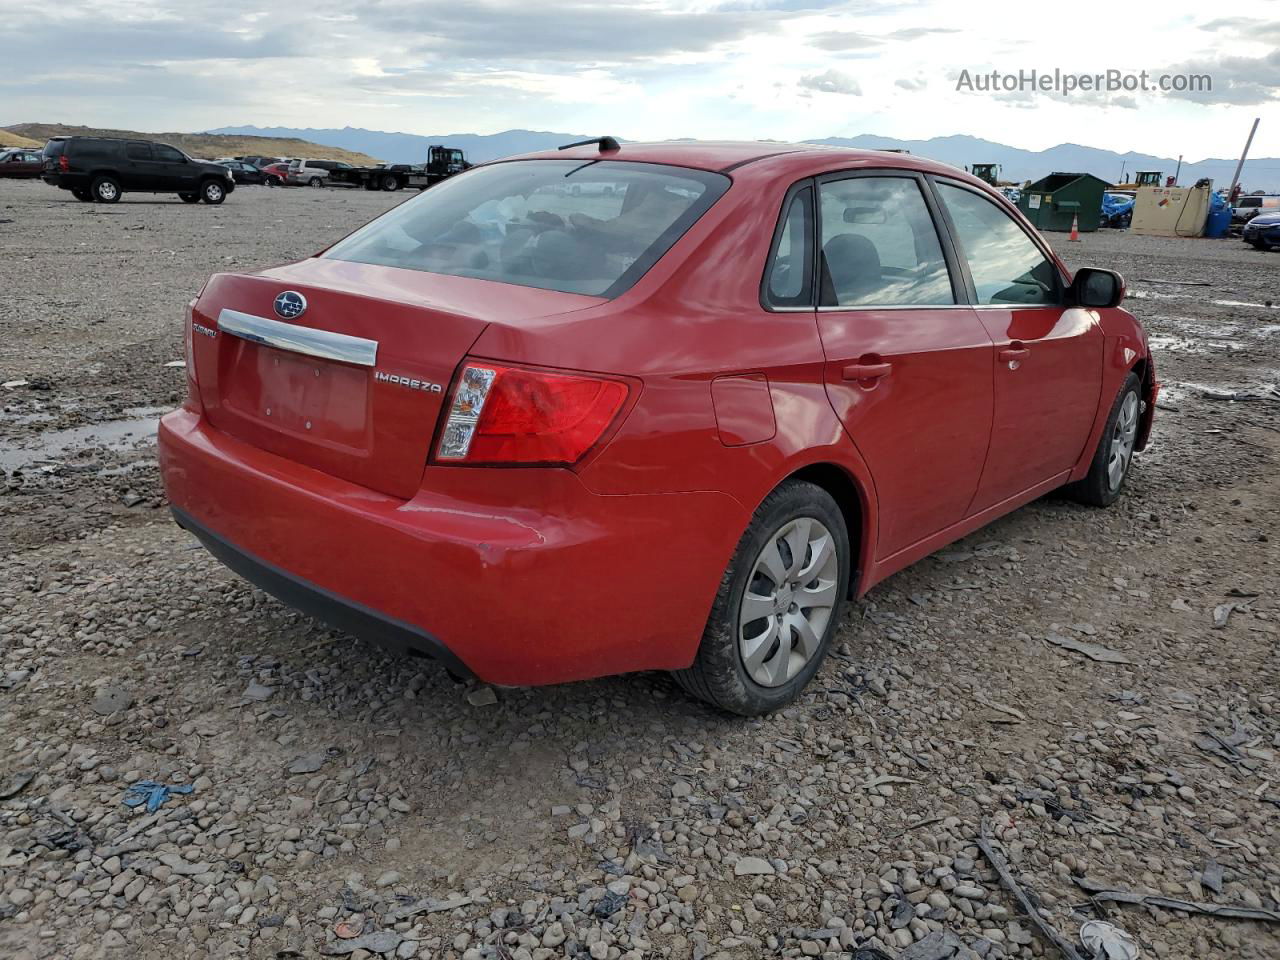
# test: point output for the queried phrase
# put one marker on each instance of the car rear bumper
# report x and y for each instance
(320, 603)
(516, 576)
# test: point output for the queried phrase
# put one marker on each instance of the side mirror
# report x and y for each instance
(1097, 288)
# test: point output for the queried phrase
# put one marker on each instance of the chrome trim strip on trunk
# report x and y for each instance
(296, 339)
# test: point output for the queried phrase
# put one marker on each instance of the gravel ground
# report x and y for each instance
(344, 801)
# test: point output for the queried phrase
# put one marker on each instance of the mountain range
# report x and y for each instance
(1017, 165)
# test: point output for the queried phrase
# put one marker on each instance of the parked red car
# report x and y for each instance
(275, 174)
(21, 162)
(662, 406)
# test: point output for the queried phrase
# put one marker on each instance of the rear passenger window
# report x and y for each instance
(1006, 265)
(789, 282)
(879, 245)
(167, 154)
(138, 151)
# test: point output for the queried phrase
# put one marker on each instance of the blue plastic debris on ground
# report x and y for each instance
(152, 794)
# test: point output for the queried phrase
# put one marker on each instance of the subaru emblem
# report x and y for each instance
(291, 304)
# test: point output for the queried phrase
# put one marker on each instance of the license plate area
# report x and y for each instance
(316, 400)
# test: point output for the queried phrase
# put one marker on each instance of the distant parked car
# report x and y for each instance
(1247, 208)
(101, 169)
(1117, 210)
(279, 170)
(20, 162)
(243, 172)
(316, 173)
(260, 162)
(1263, 231)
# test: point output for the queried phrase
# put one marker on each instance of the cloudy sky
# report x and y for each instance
(649, 69)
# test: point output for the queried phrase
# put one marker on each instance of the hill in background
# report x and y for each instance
(200, 145)
(412, 148)
(8, 139)
(1261, 173)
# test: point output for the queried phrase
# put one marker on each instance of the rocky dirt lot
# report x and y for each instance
(330, 799)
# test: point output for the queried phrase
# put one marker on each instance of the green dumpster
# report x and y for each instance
(1053, 201)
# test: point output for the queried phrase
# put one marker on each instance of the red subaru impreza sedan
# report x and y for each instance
(657, 406)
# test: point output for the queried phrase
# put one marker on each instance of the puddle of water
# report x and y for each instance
(25, 418)
(1242, 303)
(1175, 390)
(1164, 341)
(1171, 295)
(137, 429)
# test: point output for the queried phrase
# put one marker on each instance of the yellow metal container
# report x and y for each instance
(1171, 211)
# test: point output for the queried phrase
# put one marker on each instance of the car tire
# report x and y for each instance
(1112, 459)
(212, 192)
(84, 196)
(755, 666)
(315, 182)
(189, 197)
(105, 190)
(390, 183)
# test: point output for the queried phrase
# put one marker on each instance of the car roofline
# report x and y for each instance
(665, 153)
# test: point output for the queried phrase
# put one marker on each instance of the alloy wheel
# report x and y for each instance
(1122, 440)
(788, 601)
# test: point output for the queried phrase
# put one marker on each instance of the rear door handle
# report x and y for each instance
(867, 371)
(1014, 352)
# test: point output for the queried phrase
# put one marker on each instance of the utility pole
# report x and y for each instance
(1235, 180)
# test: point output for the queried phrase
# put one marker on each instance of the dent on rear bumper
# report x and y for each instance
(525, 576)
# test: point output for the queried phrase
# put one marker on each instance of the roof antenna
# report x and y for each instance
(606, 143)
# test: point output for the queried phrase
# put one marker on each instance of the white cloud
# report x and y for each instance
(832, 81)
(637, 68)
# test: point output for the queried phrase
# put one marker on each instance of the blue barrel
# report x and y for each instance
(1218, 223)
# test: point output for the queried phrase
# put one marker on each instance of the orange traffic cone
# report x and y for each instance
(1075, 228)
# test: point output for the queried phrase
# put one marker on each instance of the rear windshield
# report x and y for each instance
(592, 228)
(54, 148)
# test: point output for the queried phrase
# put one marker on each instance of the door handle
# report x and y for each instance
(1015, 352)
(867, 371)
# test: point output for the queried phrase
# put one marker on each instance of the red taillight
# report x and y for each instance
(188, 344)
(63, 163)
(504, 414)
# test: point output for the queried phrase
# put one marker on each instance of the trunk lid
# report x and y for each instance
(354, 384)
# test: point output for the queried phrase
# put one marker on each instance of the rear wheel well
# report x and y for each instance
(844, 490)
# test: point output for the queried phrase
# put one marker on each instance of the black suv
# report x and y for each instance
(101, 169)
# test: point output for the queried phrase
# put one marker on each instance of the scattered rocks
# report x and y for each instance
(753, 867)
(111, 699)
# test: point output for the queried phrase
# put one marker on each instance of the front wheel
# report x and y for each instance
(1112, 459)
(778, 605)
(212, 192)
